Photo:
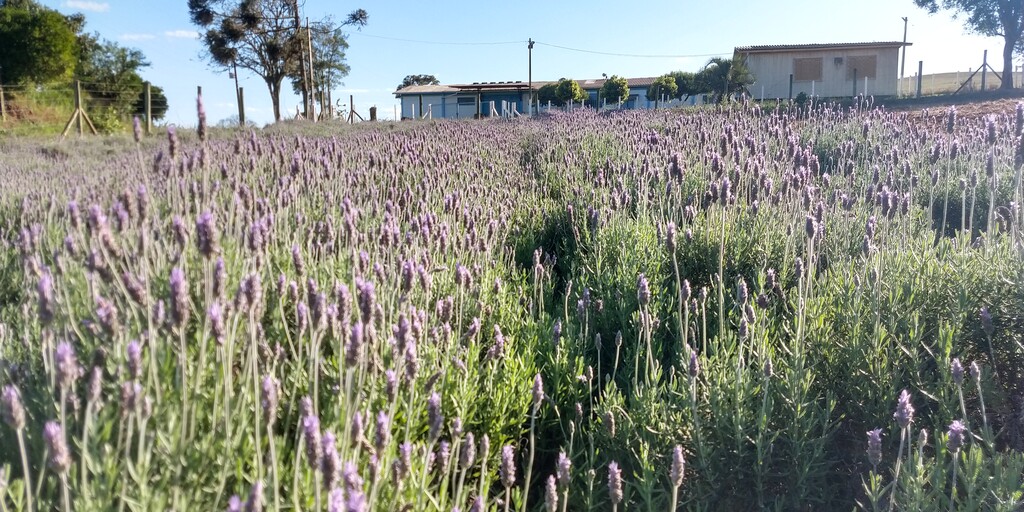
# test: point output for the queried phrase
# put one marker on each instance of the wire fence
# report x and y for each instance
(111, 107)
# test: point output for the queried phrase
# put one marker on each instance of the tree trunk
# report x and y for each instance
(274, 86)
(1007, 82)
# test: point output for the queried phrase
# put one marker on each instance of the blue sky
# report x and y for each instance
(405, 37)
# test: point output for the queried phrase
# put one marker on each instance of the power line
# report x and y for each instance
(551, 45)
(636, 55)
(450, 43)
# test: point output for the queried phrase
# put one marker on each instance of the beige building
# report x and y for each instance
(823, 70)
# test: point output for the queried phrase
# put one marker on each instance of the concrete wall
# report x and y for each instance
(772, 71)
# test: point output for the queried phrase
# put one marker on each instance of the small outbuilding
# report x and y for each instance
(833, 70)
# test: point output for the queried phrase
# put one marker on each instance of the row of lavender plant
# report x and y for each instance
(701, 309)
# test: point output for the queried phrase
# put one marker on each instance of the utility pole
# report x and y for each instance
(302, 56)
(529, 47)
(238, 96)
(903, 60)
(312, 82)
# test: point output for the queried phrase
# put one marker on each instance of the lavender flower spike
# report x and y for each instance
(875, 446)
(507, 470)
(904, 410)
(678, 466)
(11, 409)
(59, 459)
(614, 483)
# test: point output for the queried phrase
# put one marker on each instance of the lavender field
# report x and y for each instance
(710, 309)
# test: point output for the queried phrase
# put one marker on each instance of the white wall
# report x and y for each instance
(772, 70)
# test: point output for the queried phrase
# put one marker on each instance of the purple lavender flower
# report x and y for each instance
(564, 465)
(350, 475)
(670, 237)
(904, 410)
(136, 129)
(383, 433)
(207, 237)
(300, 266)
(311, 436)
(131, 397)
(215, 315)
(643, 290)
(957, 370)
(467, 455)
(609, 422)
(336, 500)
(172, 140)
(255, 501)
(59, 459)
(11, 409)
(694, 368)
(955, 435)
(330, 464)
(390, 384)
(366, 299)
(45, 296)
(678, 470)
(434, 416)
(235, 504)
(179, 297)
(986, 321)
(444, 455)
(538, 391)
(975, 372)
(614, 483)
(134, 358)
(269, 400)
(66, 365)
(551, 495)
(403, 464)
(507, 469)
(354, 347)
(875, 447)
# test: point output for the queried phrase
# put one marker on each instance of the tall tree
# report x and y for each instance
(410, 80)
(111, 76)
(1003, 18)
(262, 36)
(615, 89)
(38, 44)
(663, 87)
(687, 85)
(725, 77)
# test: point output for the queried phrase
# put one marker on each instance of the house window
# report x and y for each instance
(866, 66)
(806, 70)
(467, 100)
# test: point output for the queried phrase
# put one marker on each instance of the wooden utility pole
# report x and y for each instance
(302, 54)
(312, 82)
(529, 72)
(241, 107)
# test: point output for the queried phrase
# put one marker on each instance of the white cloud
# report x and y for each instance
(86, 5)
(137, 37)
(183, 34)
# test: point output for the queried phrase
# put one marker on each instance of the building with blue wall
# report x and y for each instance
(475, 100)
